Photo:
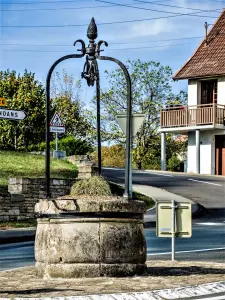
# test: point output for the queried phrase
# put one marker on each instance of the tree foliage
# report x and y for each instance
(112, 156)
(70, 144)
(152, 90)
(66, 99)
(23, 92)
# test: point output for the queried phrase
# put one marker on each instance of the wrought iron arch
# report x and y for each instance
(91, 74)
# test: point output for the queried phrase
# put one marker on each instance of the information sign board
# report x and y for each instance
(183, 220)
(11, 114)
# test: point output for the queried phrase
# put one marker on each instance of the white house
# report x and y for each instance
(203, 120)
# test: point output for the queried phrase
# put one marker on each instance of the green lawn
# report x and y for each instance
(15, 164)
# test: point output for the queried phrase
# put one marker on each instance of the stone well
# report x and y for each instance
(90, 237)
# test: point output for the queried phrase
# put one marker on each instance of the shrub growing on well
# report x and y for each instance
(94, 186)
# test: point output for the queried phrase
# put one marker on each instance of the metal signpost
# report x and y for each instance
(56, 125)
(173, 219)
(136, 123)
(91, 74)
(11, 114)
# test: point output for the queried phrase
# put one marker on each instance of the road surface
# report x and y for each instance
(206, 237)
(206, 190)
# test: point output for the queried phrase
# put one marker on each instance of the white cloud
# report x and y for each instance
(152, 28)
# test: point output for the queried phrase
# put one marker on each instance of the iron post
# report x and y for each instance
(47, 122)
(99, 123)
(128, 125)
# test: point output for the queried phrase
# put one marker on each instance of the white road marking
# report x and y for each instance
(115, 169)
(186, 251)
(210, 224)
(166, 175)
(205, 182)
(138, 171)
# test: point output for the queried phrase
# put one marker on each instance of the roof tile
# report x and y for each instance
(208, 59)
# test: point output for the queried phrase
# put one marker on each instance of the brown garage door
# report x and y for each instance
(220, 155)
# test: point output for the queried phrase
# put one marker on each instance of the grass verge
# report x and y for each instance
(119, 191)
(16, 164)
(6, 225)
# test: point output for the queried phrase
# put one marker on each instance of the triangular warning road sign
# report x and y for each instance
(56, 120)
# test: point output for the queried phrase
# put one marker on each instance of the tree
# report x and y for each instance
(66, 99)
(22, 92)
(152, 89)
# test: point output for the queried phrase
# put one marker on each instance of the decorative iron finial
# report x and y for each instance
(90, 71)
(92, 32)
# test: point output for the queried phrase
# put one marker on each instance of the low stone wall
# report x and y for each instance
(86, 168)
(6, 207)
(19, 200)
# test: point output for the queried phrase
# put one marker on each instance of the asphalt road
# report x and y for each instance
(206, 244)
(206, 190)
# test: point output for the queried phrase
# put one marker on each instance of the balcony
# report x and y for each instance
(212, 115)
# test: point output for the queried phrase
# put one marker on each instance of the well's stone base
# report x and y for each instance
(88, 270)
(90, 238)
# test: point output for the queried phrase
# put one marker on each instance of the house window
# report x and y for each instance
(209, 91)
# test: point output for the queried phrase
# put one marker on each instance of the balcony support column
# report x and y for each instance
(163, 151)
(197, 139)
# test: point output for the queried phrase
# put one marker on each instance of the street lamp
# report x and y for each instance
(91, 74)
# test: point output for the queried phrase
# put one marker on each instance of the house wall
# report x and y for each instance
(207, 151)
(191, 156)
(192, 92)
(221, 91)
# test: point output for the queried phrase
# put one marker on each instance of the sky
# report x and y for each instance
(35, 33)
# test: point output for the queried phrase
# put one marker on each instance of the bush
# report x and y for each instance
(113, 156)
(71, 145)
(94, 186)
(174, 164)
(151, 164)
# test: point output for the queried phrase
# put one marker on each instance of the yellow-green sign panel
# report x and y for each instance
(183, 220)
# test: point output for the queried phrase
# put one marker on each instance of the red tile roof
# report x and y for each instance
(208, 59)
